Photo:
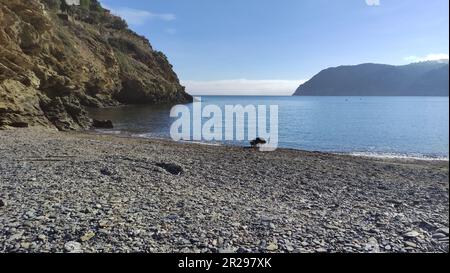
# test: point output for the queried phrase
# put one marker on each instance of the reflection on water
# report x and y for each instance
(137, 119)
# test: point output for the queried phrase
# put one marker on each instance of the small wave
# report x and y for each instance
(150, 136)
(201, 143)
(379, 155)
(400, 156)
(110, 132)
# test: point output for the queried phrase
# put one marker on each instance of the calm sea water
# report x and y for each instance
(374, 126)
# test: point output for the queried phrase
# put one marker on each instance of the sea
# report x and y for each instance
(386, 127)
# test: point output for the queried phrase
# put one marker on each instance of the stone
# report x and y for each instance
(25, 245)
(87, 236)
(102, 124)
(72, 247)
(289, 248)
(16, 236)
(171, 168)
(243, 250)
(321, 250)
(426, 225)
(372, 245)
(410, 244)
(106, 172)
(30, 213)
(103, 223)
(2, 203)
(272, 247)
(227, 250)
(184, 241)
(443, 230)
(439, 236)
(172, 217)
(411, 234)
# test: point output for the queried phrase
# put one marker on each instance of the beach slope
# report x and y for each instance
(84, 192)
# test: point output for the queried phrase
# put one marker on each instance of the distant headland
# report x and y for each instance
(416, 79)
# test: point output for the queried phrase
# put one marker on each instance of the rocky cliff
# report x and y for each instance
(55, 60)
(417, 79)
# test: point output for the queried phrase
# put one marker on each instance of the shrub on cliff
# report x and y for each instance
(96, 6)
(53, 4)
(85, 4)
(117, 23)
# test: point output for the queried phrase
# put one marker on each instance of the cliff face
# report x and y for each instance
(417, 79)
(56, 59)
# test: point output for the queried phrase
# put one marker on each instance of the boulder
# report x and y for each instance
(102, 124)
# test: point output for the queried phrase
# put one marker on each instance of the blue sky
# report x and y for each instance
(271, 46)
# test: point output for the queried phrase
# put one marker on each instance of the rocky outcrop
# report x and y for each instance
(57, 59)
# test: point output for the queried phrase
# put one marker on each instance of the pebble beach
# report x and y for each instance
(93, 193)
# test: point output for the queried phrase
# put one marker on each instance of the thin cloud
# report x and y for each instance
(373, 2)
(243, 87)
(139, 17)
(429, 57)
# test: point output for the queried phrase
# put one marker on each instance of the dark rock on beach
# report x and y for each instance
(257, 142)
(103, 124)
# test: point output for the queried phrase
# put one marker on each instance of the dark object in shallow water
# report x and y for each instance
(258, 141)
(102, 124)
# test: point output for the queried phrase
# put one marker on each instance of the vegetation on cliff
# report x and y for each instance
(56, 59)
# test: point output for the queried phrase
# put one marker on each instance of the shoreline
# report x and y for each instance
(89, 192)
(370, 155)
